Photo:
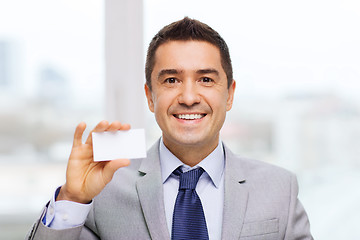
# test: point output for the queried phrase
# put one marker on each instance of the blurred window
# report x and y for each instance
(51, 78)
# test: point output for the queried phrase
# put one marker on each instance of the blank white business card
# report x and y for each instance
(112, 145)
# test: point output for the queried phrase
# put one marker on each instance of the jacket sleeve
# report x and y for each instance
(41, 232)
(298, 226)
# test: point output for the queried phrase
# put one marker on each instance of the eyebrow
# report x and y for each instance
(207, 71)
(168, 72)
(200, 71)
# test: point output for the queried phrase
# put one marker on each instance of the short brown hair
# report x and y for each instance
(184, 30)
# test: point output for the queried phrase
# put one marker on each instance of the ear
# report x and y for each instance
(148, 94)
(231, 92)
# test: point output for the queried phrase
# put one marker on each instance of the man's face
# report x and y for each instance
(189, 93)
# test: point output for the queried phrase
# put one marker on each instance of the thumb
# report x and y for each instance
(111, 167)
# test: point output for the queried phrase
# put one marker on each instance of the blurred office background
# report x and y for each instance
(297, 103)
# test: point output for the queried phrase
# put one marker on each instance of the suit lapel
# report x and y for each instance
(236, 197)
(150, 193)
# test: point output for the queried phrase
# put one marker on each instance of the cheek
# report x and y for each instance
(161, 104)
(217, 100)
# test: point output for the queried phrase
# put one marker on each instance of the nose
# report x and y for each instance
(189, 94)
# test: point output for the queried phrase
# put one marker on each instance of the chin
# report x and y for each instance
(189, 140)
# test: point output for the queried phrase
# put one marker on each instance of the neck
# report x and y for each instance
(191, 154)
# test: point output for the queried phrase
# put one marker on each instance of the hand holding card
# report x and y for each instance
(85, 178)
(111, 145)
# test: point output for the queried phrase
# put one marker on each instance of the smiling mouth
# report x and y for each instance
(189, 116)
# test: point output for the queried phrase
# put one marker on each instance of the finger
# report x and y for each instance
(80, 128)
(125, 127)
(100, 127)
(114, 126)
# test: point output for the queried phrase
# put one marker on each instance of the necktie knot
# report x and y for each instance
(188, 180)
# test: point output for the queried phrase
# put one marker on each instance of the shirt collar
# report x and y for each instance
(213, 164)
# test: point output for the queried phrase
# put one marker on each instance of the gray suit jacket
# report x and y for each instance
(260, 203)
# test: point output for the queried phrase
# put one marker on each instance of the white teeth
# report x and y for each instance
(190, 116)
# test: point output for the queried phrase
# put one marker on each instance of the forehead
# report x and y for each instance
(187, 55)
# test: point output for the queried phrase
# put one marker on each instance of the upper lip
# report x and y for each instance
(180, 113)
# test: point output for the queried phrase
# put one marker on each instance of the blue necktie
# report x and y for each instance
(188, 218)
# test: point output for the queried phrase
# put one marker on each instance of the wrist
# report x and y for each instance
(64, 194)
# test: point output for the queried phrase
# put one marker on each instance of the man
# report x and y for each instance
(189, 87)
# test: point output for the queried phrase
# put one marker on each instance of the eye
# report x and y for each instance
(206, 79)
(170, 80)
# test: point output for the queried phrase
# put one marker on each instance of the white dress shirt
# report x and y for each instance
(210, 188)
